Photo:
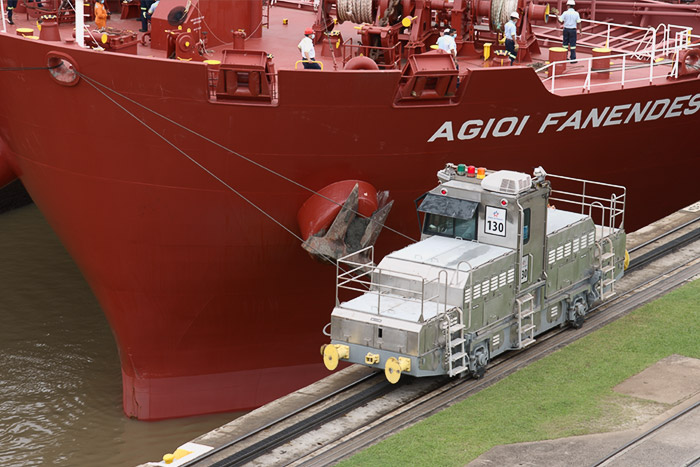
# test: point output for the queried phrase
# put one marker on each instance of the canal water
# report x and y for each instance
(60, 382)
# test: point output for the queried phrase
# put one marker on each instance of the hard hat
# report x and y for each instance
(308, 31)
(516, 15)
(447, 31)
(571, 3)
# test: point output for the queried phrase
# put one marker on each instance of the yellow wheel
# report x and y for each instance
(392, 370)
(627, 259)
(330, 357)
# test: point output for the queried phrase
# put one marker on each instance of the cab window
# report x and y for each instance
(436, 224)
(526, 226)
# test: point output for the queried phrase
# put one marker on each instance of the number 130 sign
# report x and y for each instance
(495, 221)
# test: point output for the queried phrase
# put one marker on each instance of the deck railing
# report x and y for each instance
(593, 199)
(657, 47)
(365, 277)
(394, 53)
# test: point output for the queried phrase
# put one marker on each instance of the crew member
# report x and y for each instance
(511, 35)
(145, 6)
(572, 21)
(11, 4)
(100, 14)
(152, 9)
(308, 53)
(447, 43)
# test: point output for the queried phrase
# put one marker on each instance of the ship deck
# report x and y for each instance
(636, 57)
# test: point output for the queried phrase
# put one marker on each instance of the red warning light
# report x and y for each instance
(443, 191)
(504, 202)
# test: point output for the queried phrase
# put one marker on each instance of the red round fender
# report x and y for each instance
(688, 57)
(317, 213)
(361, 63)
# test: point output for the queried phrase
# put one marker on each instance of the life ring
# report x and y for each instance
(688, 57)
(361, 63)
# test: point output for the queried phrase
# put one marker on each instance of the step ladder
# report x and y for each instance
(606, 263)
(526, 320)
(455, 352)
(266, 14)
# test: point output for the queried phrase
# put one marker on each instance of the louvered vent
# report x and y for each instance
(507, 182)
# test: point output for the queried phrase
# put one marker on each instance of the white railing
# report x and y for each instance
(592, 198)
(594, 37)
(365, 277)
(658, 47)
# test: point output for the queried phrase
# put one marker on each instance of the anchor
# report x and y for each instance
(349, 232)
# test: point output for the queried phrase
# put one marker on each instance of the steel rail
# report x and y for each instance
(664, 235)
(254, 451)
(645, 435)
(279, 420)
(656, 253)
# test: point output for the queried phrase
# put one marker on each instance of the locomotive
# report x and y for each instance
(499, 262)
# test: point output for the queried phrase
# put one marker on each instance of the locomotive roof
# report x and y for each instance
(428, 257)
(557, 220)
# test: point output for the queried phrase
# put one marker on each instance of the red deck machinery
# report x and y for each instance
(393, 29)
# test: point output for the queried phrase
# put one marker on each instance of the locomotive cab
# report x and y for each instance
(495, 267)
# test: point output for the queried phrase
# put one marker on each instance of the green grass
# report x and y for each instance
(565, 394)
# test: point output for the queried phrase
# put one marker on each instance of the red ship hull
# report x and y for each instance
(214, 307)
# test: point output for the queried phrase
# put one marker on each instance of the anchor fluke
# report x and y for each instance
(333, 231)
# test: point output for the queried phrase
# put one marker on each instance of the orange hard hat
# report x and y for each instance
(308, 31)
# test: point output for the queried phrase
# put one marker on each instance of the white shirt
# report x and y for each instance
(509, 30)
(447, 43)
(570, 18)
(307, 45)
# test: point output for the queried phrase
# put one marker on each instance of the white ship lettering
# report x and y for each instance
(621, 114)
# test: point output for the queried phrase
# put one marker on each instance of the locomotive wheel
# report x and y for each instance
(577, 323)
(481, 359)
(579, 313)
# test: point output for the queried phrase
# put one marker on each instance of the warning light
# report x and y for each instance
(504, 202)
(460, 169)
(471, 171)
(481, 173)
(443, 191)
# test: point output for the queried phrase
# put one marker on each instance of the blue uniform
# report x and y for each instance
(510, 33)
(571, 20)
(11, 5)
(145, 6)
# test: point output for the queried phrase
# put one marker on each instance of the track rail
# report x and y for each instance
(644, 436)
(441, 391)
(280, 420)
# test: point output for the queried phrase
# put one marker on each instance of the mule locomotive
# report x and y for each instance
(499, 262)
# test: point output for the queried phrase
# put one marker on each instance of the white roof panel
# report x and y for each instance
(432, 255)
(557, 220)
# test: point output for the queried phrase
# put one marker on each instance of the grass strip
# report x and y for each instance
(566, 393)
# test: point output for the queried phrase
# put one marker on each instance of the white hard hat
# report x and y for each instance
(447, 31)
(517, 16)
(571, 3)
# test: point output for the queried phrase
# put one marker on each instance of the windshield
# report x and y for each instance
(436, 224)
